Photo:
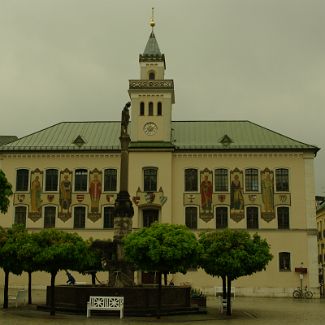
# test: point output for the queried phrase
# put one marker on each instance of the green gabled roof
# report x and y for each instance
(191, 135)
(71, 136)
(186, 135)
(4, 139)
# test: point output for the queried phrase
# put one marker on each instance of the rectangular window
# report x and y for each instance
(109, 217)
(252, 217)
(221, 217)
(251, 180)
(221, 177)
(283, 217)
(191, 217)
(22, 179)
(191, 180)
(149, 216)
(51, 180)
(20, 215)
(80, 180)
(150, 180)
(49, 217)
(282, 180)
(110, 180)
(284, 261)
(79, 217)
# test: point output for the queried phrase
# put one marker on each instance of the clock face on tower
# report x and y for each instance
(150, 128)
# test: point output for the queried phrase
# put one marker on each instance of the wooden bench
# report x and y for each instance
(105, 303)
(20, 296)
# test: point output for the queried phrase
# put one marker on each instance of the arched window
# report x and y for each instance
(142, 108)
(151, 75)
(159, 109)
(150, 108)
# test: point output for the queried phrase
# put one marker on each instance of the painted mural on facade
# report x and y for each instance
(206, 190)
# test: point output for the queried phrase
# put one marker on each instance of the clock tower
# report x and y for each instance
(152, 97)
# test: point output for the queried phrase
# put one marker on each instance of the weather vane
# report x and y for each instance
(152, 21)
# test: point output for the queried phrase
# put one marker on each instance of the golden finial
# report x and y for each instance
(152, 21)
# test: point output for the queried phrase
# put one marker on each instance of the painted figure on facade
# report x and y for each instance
(65, 193)
(36, 191)
(267, 191)
(267, 188)
(206, 190)
(95, 191)
(237, 198)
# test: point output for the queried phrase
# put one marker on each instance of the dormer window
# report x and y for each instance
(152, 75)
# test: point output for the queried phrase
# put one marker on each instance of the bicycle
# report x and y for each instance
(299, 293)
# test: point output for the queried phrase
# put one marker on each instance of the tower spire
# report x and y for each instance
(152, 20)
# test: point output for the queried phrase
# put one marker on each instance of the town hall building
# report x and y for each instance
(206, 175)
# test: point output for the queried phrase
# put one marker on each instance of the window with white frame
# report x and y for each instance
(283, 217)
(79, 215)
(251, 180)
(110, 180)
(51, 180)
(191, 180)
(22, 180)
(20, 215)
(191, 217)
(81, 180)
(221, 217)
(49, 216)
(221, 180)
(252, 217)
(284, 261)
(108, 217)
(282, 180)
(150, 179)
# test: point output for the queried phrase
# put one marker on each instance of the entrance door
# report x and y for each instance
(149, 216)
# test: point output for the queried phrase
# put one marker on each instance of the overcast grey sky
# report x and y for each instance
(257, 60)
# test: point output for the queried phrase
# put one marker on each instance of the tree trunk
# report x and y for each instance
(93, 278)
(29, 287)
(165, 279)
(53, 275)
(224, 288)
(228, 296)
(5, 290)
(159, 296)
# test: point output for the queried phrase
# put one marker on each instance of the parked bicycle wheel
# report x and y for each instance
(308, 294)
(296, 293)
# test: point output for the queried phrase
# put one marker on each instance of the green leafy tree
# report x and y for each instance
(231, 254)
(5, 192)
(162, 248)
(60, 251)
(11, 240)
(27, 253)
